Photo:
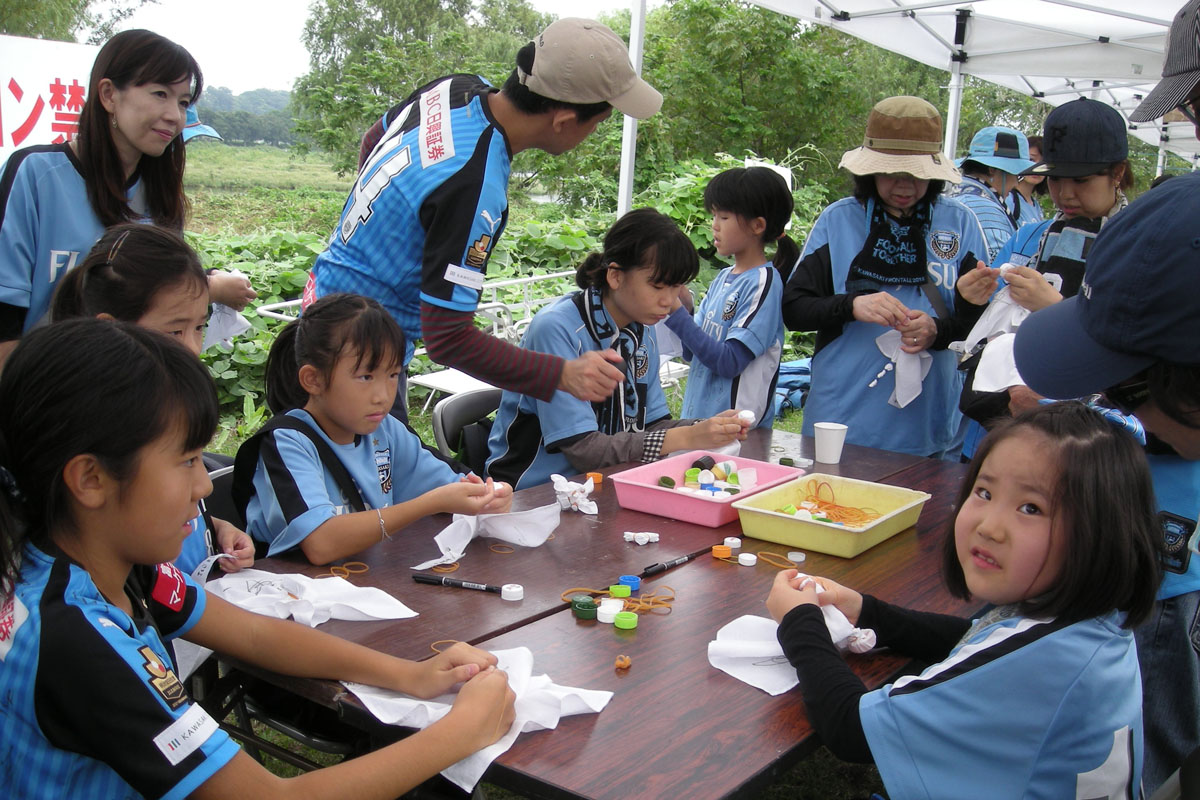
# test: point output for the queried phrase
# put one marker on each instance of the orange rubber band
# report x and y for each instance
(847, 515)
(569, 593)
(434, 646)
(776, 560)
(623, 662)
(502, 549)
(338, 571)
(355, 567)
(444, 568)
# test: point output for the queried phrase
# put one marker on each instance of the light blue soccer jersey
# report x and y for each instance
(844, 369)
(993, 216)
(294, 493)
(426, 208)
(47, 225)
(525, 436)
(745, 308)
(1022, 708)
(90, 706)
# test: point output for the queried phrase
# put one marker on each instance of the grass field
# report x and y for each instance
(236, 191)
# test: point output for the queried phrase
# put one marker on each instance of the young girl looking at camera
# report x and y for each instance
(626, 289)
(333, 372)
(150, 276)
(1041, 696)
(90, 516)
(736, 338)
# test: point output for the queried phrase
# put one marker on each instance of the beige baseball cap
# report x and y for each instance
(582, 61)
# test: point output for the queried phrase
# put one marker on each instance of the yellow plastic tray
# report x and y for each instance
(899, 509)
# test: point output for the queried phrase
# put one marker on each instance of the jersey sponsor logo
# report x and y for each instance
(463, 276)
(169, 587)
(62, 260)
(477, 254)
(185, 735)
(105, 622)
(12, 616)
(730, 307)
(944, 243)
(641, 362)
(491, 222)
(383, 463)
(435, 134)
(162, 678)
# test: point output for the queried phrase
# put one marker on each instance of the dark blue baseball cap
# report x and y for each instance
(1139, 302)
(1080, 138)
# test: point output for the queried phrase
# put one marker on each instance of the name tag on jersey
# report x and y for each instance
(464, 276)
(12, 616)
(435, 132)
(185, 735)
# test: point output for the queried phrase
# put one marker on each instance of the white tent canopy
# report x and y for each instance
(1055, 50)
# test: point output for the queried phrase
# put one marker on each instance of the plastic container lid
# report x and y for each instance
(733, 542)
(632, 581)
(607, 615)
(721, 551)
(512, 591)
(626, 620)
(619, 590)
(747, 559)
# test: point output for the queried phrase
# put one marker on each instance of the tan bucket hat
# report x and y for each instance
(904, 134)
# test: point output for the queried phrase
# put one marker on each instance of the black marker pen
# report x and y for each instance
(437, 580)
(654, 569)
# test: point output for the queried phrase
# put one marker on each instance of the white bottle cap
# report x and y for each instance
(733, 542)
(606, 614)
(747, 559)
(512, 591)
(796, 556)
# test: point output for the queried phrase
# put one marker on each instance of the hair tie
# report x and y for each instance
(9, 484)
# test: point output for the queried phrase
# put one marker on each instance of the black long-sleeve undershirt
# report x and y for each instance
(831, 689)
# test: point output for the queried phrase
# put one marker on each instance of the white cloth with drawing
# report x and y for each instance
(528, 528)
(539, 706)
(911, 368)
(310, 601)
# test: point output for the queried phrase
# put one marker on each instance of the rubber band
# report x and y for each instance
(847, 515)
(623, 662)
(551, 536)
(656, 602)
(434, 646)
(445, 568)
(502, 549)
(355, 567)
(728, 560)
(338, 571)
(775, 560)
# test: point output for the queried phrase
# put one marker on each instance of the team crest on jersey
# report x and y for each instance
(383, 463)
(169, 587)
(730, 307)
(477, 253)
(641, 362)
(12, 616)
(162, 678)
(944, 243)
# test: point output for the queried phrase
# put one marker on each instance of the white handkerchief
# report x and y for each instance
(911, 368)
(309, 601)
(540, 704)
(223, 324)
(844, 635)
(528, 528)
(1002, 315)
(748, 650)
(574, 495)
(997, 368)
(188, 656)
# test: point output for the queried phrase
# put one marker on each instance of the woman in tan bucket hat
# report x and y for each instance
(877, 282)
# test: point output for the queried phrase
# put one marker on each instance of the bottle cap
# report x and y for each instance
(607, 615)
(512, 591)
(584, 613)
(747, 559)
(733, 542)
(597, 478)
(796, 556)
(619, 590)
(721, 551)
(632, 581)
(626, 620)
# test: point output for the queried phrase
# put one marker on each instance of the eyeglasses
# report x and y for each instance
(1129, 395)
(1191, 109)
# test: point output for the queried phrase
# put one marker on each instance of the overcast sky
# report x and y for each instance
(256, 44)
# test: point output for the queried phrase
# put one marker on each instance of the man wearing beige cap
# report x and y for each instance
(431, 199)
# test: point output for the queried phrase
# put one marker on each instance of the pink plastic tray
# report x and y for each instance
(638, 489)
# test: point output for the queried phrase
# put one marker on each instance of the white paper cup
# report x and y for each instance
(830, 437)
